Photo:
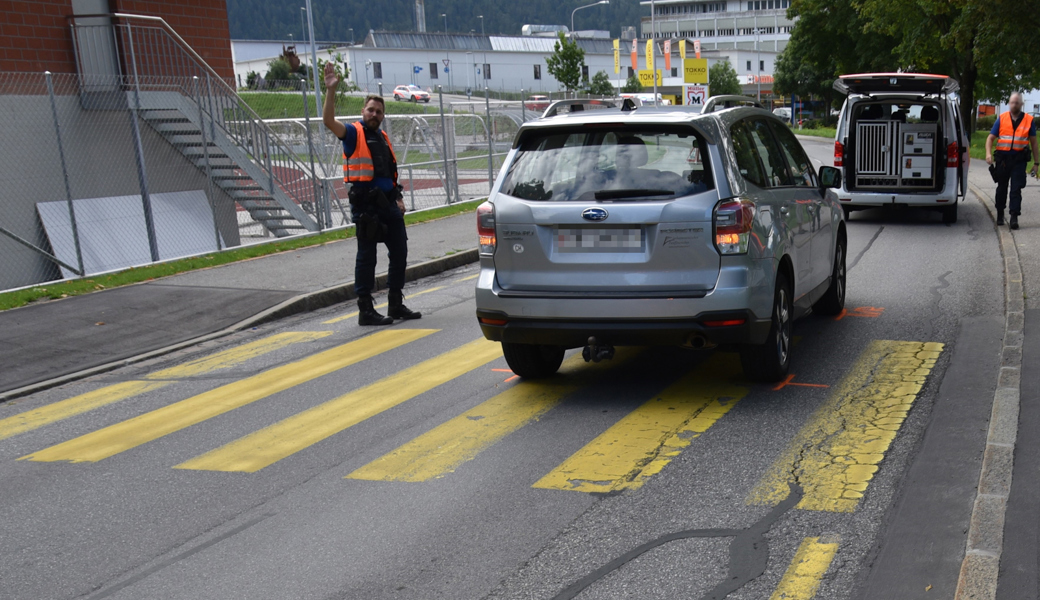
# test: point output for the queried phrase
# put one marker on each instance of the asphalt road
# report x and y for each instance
(317, 459)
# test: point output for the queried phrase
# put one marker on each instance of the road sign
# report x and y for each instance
(695, 94)
(417, 69)
(446, 63)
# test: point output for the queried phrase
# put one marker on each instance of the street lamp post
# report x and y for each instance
(351, 30)
(303, 27)
(758, 52)
(653, 47)
(586, 6)
(481, 17)
(445, 17)
(314, 61)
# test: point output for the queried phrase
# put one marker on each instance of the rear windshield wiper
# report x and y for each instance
(633, 193)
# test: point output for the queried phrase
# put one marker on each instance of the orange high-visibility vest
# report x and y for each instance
(358, 167)
(1014, 139)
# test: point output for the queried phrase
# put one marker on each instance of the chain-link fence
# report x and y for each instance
(147, 155)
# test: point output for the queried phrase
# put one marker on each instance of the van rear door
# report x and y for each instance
(895, 83)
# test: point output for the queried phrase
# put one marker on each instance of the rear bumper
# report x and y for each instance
(574, 333)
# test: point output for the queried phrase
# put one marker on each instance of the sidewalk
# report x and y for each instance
(49, 340)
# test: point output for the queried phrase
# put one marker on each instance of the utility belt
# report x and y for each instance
(368, 203)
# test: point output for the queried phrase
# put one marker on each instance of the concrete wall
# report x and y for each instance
(100, 160)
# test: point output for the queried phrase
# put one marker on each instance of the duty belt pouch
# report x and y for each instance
(370, 228)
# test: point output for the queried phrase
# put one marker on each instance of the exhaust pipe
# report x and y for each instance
(698, 342)
(596, 352)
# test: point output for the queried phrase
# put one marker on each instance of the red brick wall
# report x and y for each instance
(35, 36)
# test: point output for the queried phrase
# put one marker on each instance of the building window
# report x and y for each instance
(761, 65)
(433, 70)
(675, 72)
(538, 71)
(631, 72)
(585, 72)
(487, 71)
(377, 70)
(749, 66)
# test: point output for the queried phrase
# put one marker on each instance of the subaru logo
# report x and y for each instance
(595, 214)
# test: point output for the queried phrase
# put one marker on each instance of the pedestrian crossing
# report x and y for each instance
(834, 457)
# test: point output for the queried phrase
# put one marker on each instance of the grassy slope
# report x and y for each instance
(76, 287)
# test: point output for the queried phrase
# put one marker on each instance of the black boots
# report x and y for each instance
(397, 308)
(1014, 221)
(1000, 216)
(367, 314)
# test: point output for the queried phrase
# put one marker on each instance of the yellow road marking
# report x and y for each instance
(153, 425)
(383, 305)
(57, 411)
(641, 444)
(271, 444)
(837, 452)
(470, 278)
(807, 568)
(441, 450)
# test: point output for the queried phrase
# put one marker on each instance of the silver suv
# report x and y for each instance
(645, 226)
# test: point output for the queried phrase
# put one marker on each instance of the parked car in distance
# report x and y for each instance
(536, 102)
(411, 92)
(656, 226)
(783, 112)
(900, 141)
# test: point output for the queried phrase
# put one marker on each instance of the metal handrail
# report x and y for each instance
(248, 130)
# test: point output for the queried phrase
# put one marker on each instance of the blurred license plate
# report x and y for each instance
(598, 239)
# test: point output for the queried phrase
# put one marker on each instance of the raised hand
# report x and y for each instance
(331, 78)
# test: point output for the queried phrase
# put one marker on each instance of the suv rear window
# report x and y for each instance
(609, 163)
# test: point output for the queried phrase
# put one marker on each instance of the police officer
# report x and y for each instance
(376, 203)
(1012, 132)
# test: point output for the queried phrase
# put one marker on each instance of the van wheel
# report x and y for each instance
(949, 214)
(770, 361)
(833, 300)
(532, 361)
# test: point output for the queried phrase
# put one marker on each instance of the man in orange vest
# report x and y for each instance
(376, 203)
(1015, 135)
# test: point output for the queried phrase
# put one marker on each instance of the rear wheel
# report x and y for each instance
(770, 361)
(532, 361)
(833, 300)
(949, 214)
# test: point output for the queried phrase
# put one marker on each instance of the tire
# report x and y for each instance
(949, 214)
(833, 300)
(414, 99)
(397, 98)
(770, 361)
(532, 361)
(847, 211)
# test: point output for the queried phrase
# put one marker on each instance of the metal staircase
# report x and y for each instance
(201, 115)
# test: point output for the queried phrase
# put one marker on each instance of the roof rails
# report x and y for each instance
(577, 105)
(720, 102)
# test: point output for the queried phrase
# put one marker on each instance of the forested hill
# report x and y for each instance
(276, 19)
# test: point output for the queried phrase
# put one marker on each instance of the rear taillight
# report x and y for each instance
(839, 154)
(486, 228)
(733, 221)
(953, 155)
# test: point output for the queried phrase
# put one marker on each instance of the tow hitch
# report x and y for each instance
(595, 352)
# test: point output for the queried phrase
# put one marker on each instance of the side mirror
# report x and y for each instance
(830, 177)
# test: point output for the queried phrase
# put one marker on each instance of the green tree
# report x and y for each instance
(342, 70)
(278, 70)
(986, 45)
(565, 62)
(804, 78)
(601, 85)
(632, 86)
(722, 79)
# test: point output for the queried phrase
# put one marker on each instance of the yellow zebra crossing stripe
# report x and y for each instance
(271, 444)
(803, 576)
(57, 411)
(153, 425)
(837, 452)
(643, 442)
(441, 450)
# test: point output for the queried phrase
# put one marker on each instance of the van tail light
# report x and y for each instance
(839, 154)
(953, 155)
(733, 221)
(486, 228)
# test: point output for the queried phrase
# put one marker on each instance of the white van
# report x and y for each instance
(900, 141)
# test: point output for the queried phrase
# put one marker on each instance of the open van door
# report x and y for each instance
(895, 83)
(964, 139)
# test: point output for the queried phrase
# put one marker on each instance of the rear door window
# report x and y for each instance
(610, 162)
(802, 173)
(773, 164)
(747, 155)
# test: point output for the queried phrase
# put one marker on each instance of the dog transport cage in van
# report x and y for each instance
(900, 141)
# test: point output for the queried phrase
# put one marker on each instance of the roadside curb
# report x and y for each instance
(981, 564)
(307, 302)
